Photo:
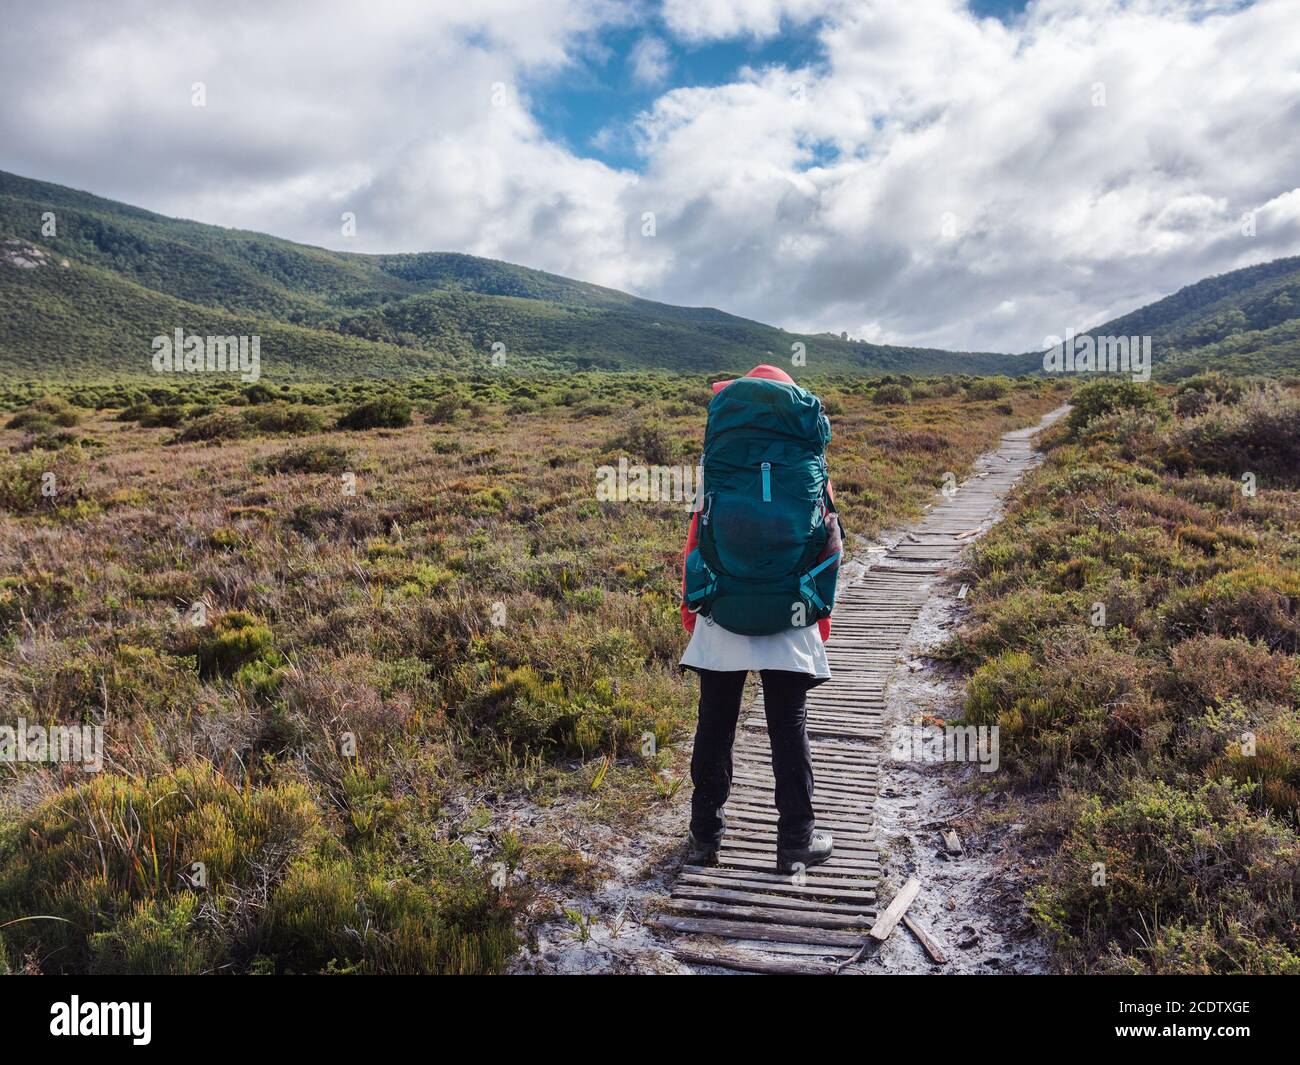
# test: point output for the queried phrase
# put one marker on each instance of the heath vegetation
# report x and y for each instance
(330, 629)
(1135, 636)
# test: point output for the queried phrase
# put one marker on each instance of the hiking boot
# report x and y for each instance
(817, 850)
(701, 852)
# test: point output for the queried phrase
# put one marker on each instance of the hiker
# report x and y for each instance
(760, 566)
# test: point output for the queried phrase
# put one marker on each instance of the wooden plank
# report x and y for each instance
(783, 902)
(888, 920)
(923, 937)
(758, 837)
(803, 950)
(774, 933)
(740, 860)
(754, 846)
(748, 962)
(740, 912)
(748, 812)
(842, 807)
(737, 878)
(756, 831)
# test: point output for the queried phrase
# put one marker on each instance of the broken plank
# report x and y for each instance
(888, 920)
(923, 937)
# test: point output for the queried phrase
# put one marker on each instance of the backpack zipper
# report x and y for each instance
(767, 482)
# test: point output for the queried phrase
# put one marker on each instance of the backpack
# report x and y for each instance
(762, 515)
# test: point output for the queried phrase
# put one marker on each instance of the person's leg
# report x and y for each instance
(784, 694)
(720, 694)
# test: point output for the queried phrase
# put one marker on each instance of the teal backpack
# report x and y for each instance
(762, 517)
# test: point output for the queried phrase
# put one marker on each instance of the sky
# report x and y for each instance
(966, 174)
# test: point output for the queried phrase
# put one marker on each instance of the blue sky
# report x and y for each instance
(591, 106)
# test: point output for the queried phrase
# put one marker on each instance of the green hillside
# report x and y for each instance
(115, 276)
(1245, 321)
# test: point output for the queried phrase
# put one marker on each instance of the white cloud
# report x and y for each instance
(972, 163)
(933, 179)
(650, 61)
(705, 20)
(413, 116)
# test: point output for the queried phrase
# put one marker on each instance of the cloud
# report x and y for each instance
(1085, 160)
(706, 20)
(650, 61)
(414, 116)
(932, 178)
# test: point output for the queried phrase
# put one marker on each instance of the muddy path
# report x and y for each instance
(972, 902)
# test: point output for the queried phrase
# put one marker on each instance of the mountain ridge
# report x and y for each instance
(1246, 319)
(131, 274)
(93, 295)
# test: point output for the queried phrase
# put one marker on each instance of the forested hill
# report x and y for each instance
(87, 301)
(1246, 321)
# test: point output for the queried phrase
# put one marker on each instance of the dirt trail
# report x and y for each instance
(971, 903)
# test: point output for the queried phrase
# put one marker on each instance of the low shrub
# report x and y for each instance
(1196, 394)
(1267, 765)
(1106, 396)
(447, 408)
(987, 388)
(1162, 729)
(259, 393)
(1260, 435)
(1086, 700)
(223, 425)
(328, 917)
(1218, 877)
(151, 417)
(648, 440)
(386, 412)
(283, 418)
(1207, 671)
(44, 414)
(114, 860)
(1258, 602)
(240, 646)
(312, 458)
(891, 395)
(32, 483)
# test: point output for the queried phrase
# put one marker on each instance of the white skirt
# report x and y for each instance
(795, 650)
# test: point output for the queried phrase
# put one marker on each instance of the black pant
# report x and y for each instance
(783, 700)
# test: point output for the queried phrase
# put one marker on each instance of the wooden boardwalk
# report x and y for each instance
(742, 914)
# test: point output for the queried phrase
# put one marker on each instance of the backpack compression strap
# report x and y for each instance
(809, 587)
(694, 600)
